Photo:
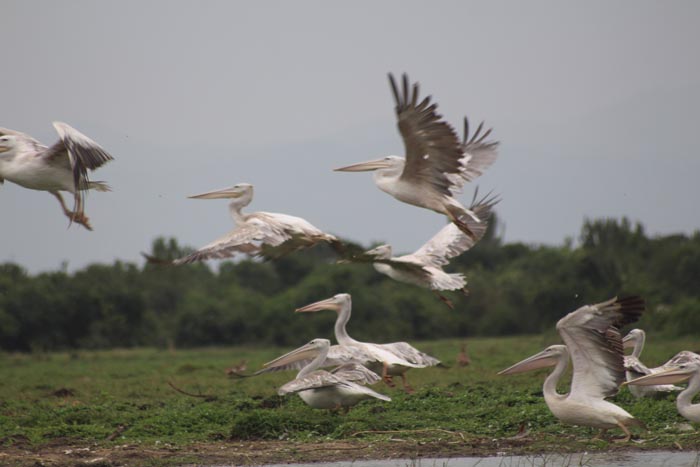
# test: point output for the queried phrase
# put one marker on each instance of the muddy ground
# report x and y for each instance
(58, 454)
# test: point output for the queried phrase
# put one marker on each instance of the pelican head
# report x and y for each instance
(674, 374)
(548, 357)
(380, 252)
(336, 303)
(240, 190)
(632, 337)
(305, 352)
(389, 164)
(7, 143)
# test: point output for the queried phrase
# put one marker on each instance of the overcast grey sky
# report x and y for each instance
(595, 104)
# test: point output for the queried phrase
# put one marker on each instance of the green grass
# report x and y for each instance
(86, 396)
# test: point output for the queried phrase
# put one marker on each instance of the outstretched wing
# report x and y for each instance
(450, 241)
(338, 356)
(407, 352)
(315, 379)
(83, 153)
(478, 155)
(593, 339)
(356, 373)
(433, 150)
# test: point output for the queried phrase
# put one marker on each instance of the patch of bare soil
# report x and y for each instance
(238, 453)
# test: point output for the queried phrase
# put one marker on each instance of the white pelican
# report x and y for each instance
(62, 167)
(684, 369)
(390, 359)
(595, 345)
(634, 368)
(424, 266)
(265, 234)
(320, 389)
(436, 165)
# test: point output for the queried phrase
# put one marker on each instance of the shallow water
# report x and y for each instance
(599, 459)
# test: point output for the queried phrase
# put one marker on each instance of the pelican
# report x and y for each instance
(684, 369)
(594, 343)
(436, 165)
(61, 167)
(390, 359)
(634, 368)
(320, 389)
(424, 266)
(265, 234)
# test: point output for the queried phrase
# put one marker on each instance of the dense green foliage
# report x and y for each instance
(514, 289)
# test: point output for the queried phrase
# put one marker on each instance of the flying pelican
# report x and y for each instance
(594, 343)
(683, 369)
(634, 368)
(436, 165)
(62, 167)
(320, 389)
(265, 234)
(390, 359)
(424, 266)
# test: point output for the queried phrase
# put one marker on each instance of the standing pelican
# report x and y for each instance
(390, 359)
(320, 389)
(436, 165)
(266, 234)
(62, 167)
(424, 266)
(686, 369)
(634, 368)
(594, 343)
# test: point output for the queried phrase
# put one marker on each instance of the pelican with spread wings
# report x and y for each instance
(424, 266)
(265, 234)
(342, 387)
(390, 360)
(593, 342)
(634, 368)
(61, 167)
(437, 163)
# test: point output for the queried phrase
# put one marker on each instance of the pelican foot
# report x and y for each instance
(80, 218)
(409, 389)
(444, 300)
(389, 380)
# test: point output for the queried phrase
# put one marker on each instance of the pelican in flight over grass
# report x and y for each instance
(681, 368)
(265, 234)
(61, 167)
(437, 164)
(594, 343)
(342, 387)
(634, 368)
(388, 359)
(424, 266)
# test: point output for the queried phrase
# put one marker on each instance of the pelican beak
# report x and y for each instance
(225, 193)
(327, 304)
(365, 166)
(302, 353)
(669, 376)
(537, 361)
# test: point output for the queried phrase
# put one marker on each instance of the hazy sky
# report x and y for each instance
(595, 104)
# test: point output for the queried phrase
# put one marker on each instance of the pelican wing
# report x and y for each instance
(407, 352)
(450, 241)
(634, 365)
(433, 150)
(315, 379)
(479, 154)
(83, 153)
(338, 355)
(356, 373)
(593, 339)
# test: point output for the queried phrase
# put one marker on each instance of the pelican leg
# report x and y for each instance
(464, 291)
(406, 387)
(628, 434)
(444, 299)
(386, 377)
(76, 216)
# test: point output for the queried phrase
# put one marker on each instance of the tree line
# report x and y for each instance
(515, 288)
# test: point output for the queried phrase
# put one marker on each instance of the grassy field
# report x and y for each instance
(116, 407)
